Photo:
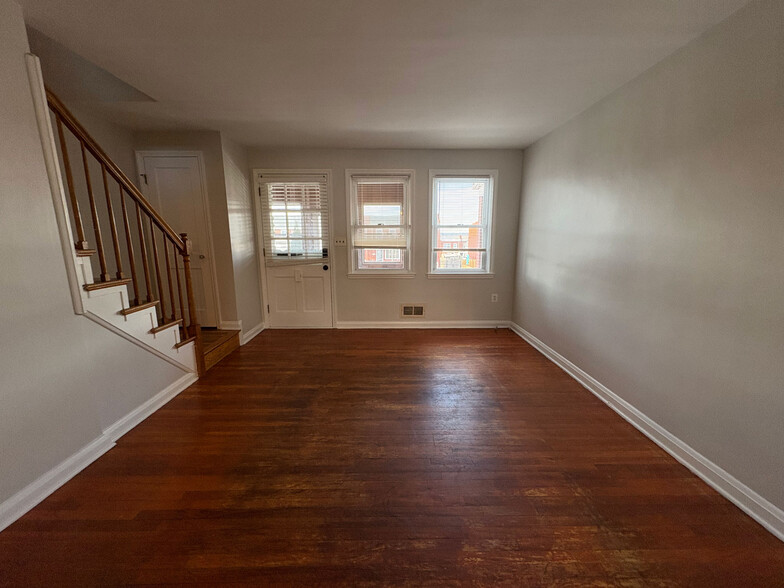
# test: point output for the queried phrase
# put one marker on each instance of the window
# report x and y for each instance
(462, 214)
(296, 217)
(380, 235)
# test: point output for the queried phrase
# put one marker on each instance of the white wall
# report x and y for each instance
(64, 378)
(239, 194)
(209, 143)
(651, 243)
(378, 299)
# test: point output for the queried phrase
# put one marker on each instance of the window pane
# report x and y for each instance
(461, 201)
(382, 214)
(380, 259)
(460, 238)
(460, 260)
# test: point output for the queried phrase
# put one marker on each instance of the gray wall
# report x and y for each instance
(378, 299)
(651, 241)
(64, 378)
(243, 233)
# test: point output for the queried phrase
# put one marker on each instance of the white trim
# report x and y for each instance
(35, 492)
(55, 178)
(230, 325)
(489, 246)
(250, 334)
(375, 274)
(448, 276)
(760, 509)
(136, 416)
(260, 236)
(409, 196)
(412, 323)
(205, 198)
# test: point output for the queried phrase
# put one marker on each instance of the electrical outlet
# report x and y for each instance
(493, 297)
(340, 242)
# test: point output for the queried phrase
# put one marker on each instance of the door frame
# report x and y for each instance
(260, 236)
(140, 154)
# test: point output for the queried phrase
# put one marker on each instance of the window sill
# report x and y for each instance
(459, 276)
(380, 275)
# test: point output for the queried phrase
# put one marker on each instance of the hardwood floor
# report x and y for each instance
(390, 458)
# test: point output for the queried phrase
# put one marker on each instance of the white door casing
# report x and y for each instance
(174, 183)
(300, 294)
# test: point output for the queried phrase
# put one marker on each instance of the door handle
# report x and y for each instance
(325, 268)
(201, 256)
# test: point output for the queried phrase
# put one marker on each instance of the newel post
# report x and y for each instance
(194, 321)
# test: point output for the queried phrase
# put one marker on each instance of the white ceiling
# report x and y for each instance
(371, 73)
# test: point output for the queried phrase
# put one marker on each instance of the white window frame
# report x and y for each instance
(408, 176)
(492, 174)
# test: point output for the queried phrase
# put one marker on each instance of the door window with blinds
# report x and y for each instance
(462, 221)
(296, 217)
(380, 235)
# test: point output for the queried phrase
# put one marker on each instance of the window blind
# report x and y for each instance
(379, 212)
(295, 212)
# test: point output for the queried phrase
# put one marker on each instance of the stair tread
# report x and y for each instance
(184, 342)
(164, 326)
(85, 252)
(138, 307)
(107, 284)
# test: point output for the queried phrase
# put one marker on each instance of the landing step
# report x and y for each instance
(165, 326)
(138, 307)
(109, 284)
(85, 252)
(218, 344)
(184, 342)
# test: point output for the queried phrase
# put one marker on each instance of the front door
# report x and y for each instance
(173, 185)
(295, 226)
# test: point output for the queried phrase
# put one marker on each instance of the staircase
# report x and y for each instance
(153, 304)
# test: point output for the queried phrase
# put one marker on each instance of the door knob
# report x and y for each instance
(201, 256)
(325, 268)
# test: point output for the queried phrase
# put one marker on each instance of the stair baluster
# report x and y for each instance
(112, 225)
(94, 213)
(129, 244)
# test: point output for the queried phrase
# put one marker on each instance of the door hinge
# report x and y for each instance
(264, 251)
(259, 190)
(268, 308)
(145, 178)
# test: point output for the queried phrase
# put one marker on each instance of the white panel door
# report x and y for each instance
(173, 185)
(300, 295)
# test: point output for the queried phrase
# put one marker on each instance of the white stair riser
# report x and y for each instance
(107, 304)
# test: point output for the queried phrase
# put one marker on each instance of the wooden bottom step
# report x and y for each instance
(218, 344)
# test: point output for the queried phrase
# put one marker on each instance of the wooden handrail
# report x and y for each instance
(81, 133)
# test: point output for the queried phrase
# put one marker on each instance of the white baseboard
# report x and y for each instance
(230, 325)
(137, 415)
(35, 492)
(420, 324)
(757, 507)
(247, 336)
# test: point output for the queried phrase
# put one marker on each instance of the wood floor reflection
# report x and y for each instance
(390, 458)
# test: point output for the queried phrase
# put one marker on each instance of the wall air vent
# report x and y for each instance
(412, 310)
